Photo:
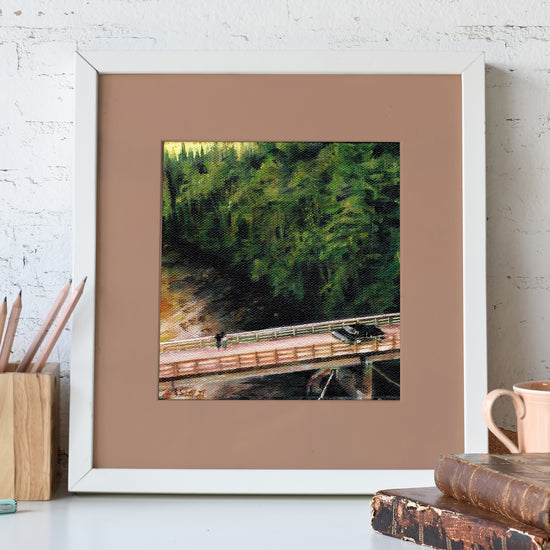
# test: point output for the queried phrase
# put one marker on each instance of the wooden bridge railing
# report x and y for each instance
(273, 357)
(281, 332)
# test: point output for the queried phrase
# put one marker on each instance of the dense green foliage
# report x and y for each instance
(317, 224)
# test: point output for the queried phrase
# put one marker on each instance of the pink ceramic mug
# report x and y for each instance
(532, 405)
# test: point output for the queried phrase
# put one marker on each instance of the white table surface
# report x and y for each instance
(157, 522)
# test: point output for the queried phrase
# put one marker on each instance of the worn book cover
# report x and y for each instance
(514, 485)
(428, 517)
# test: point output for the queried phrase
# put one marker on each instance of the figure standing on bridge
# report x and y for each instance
(224, 340)
(218, 338)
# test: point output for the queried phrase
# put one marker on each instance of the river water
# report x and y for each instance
(296, 385)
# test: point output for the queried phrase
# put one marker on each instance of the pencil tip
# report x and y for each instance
(70, 280)
(5, 298)
(85, 279)
(20, 292)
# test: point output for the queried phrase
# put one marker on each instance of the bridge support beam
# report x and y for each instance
(366, 382)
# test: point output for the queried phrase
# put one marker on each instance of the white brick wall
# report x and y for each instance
(37, 44)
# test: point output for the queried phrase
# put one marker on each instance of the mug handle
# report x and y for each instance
(519, 407)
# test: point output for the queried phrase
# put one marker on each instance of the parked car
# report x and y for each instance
(357, 333)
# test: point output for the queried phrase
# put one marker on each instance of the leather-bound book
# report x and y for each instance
(428, 517)
(514, 485)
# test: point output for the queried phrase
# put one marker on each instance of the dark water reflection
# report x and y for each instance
(290, 386)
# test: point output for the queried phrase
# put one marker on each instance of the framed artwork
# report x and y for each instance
(286, 270)
(311, 231)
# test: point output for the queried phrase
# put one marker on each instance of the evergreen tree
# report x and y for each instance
(317, 224)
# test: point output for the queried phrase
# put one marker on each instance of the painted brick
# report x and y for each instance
(48, 58)
(46, 98)
(8, 58)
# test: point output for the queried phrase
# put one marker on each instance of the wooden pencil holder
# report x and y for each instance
(28, 432)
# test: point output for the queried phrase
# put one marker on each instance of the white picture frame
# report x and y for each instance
(83, 476)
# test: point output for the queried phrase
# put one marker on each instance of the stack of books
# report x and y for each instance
(480, 502)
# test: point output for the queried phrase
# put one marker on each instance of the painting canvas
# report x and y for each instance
(280, 271)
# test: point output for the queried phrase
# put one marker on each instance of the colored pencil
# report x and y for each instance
(43, 330)
(58, 328)
(3, 315)
(10, 333)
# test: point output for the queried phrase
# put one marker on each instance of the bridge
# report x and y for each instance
(286, 349)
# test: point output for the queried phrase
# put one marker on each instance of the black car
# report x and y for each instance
(357, 333)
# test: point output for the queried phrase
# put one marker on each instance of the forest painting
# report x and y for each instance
(280, 271)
